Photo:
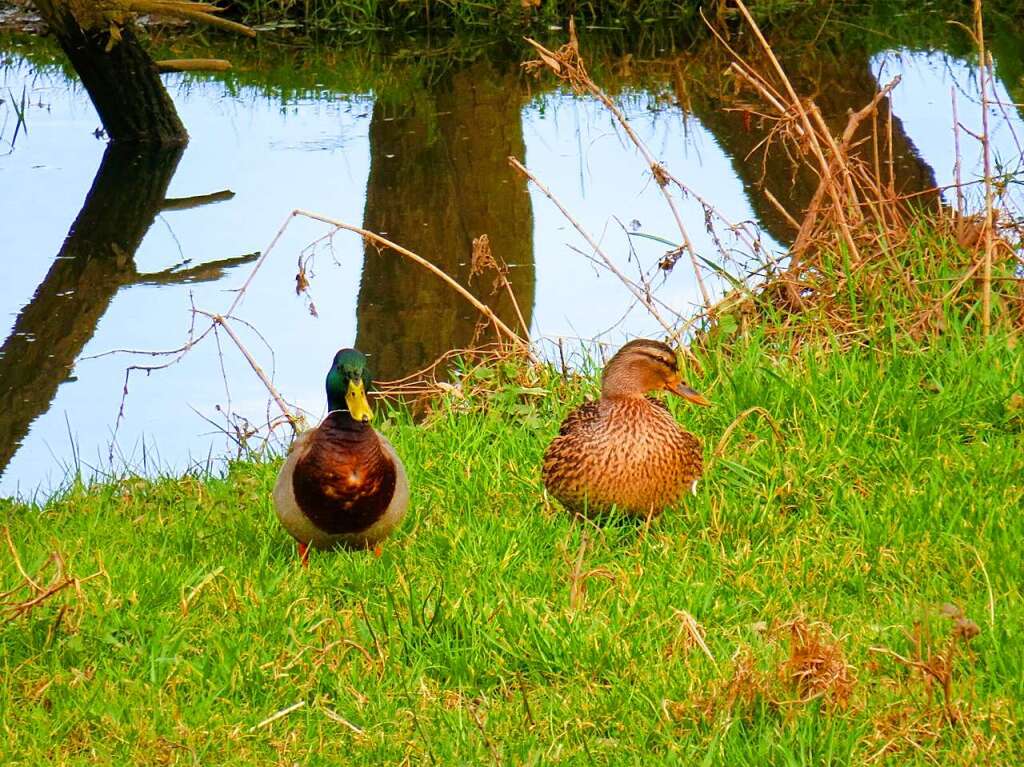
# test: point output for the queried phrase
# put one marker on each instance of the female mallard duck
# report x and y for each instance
(626, 450)
(342, 483)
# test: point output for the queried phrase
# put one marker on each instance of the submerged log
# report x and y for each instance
(193, 65)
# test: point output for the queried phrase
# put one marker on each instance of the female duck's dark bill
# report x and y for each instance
(690, 395)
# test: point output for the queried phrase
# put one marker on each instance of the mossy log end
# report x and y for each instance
(120, 77)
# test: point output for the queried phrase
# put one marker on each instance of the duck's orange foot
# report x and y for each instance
(377, 551)
(304, 553)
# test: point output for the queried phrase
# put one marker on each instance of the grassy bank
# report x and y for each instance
(493, 629)
(513, 17)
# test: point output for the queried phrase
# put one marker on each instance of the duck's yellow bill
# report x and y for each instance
(357, 403)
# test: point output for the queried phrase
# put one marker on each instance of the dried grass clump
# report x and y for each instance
(817, 666)
(812, 666)
(31, 591)
(865, 255)
(934, 695)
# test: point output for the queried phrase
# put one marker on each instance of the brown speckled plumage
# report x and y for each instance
(626, 450)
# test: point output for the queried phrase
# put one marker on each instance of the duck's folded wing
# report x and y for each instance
(580, 418)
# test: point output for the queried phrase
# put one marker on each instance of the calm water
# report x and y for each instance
(428, 169)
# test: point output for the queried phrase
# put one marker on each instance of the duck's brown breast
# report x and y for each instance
(628, 453)
(345, 480)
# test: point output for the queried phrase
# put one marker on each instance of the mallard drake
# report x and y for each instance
(626, 450)
(342, 482)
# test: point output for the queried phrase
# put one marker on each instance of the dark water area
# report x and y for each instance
(105, 249)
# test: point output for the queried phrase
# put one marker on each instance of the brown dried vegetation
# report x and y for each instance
(854, 257)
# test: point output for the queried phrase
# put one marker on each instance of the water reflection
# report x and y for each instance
(840, 84)
(439, 177)
(95, 261)
(423, 161)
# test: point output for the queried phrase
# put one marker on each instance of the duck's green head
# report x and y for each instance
(347, 382)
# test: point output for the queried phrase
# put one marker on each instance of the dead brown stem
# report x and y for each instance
(384, 242)
(568, 65)
(218, 319)
(801, 112)
(631, 286)
(724, 439)
(984, 73)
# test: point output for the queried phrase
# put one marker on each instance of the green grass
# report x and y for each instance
(896, 487)
(511, 18)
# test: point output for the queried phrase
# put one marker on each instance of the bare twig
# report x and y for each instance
(336, 717)
(984, 73)
(631, 286)
(278, 715)
(568, 65)
(222, 322)
(957, 181)
(384, 242)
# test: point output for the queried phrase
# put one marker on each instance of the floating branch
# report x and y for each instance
(193, 65)
(186, 203)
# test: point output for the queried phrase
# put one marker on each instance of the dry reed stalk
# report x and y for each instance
(643, 296)
(221, 321)
(781, 209)
(336, 717)
(278, 715)
(838, 169)
(801, 113)
(984, 72)
(567, 64)
(856, 197)
(417, 259)
(957, 181)
(483, 734)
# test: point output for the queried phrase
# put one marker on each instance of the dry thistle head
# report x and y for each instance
(482, 258)
(566, 63)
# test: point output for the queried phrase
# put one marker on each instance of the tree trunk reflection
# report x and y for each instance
(439, 177)
(95, 261)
